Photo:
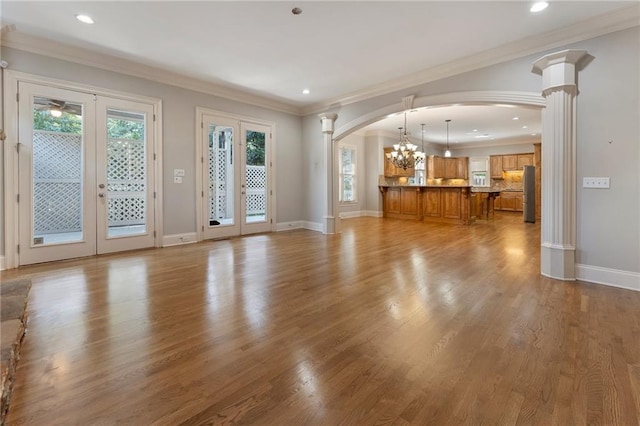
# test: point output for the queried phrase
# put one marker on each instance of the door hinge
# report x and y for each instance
(18, 147)
(154, 234)
(155, 156)
(154, 117)
(203, 194)
(202, 124)
(202, 160)
(270, 220)
(154, 195)
(18, 248)
(270, 192)
(17, 97)
(202, 228)
(18, 198)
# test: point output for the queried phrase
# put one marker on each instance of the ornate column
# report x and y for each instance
(559, 88)
(331, 218)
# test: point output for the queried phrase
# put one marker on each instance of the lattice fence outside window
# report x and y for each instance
(57, 185)
(256, 201)
(126, 181)
(57, 192)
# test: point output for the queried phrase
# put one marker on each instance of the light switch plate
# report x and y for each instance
(595, 182)
(177, 179)
(178, 172)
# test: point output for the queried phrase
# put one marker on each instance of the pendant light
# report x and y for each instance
(447, 153)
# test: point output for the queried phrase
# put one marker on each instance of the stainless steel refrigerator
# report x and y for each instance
(529, 194)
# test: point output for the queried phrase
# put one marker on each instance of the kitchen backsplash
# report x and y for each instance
(511, 181)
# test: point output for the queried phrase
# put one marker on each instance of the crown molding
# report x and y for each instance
(616, 20)
(46, 47)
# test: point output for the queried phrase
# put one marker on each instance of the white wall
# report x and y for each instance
(179, 134)
(608, 107)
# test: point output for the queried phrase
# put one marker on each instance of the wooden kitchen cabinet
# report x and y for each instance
(391, 170)
(524, 160)
(509, 162)
(392, 200)
(496, 166)
(435, 167)
(431, 205)
(509, 201)
(450, 168)
(447, 168)
(462, 171)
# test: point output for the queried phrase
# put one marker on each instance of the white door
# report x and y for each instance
(255, 185)
(124, 175)
(70, 145)
(236, 177)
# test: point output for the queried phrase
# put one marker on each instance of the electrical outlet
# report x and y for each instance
(178, 172)
(595, 182)
(177, 179)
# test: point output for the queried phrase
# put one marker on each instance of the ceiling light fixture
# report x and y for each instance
(404, 154)
(85, 19)
(525, 127)
(539, 6)
(516, 118)
(447, 153)
(305, 92)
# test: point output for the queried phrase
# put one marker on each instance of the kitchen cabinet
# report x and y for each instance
(524, 160)
(509, 201)
(496, 166)
(391, 170)
(509, 162)
(447, 168)
(462, 171)
(450, 168)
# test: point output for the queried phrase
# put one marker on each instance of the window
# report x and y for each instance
(347, 174)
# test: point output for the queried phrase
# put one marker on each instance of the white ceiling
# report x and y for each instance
(336, 49)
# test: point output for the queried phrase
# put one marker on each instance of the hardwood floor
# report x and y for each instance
(390, 322)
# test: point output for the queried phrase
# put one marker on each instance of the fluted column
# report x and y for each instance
(331, 218)
(559, 88)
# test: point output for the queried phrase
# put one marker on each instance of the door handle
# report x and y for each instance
(101, 195)
(101, 186)
(243, 193)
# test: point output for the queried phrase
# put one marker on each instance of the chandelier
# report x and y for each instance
(405, 155)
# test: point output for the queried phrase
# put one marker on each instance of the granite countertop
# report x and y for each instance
(485, 189)
(425, 186)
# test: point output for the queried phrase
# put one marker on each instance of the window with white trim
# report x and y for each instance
(348, 169)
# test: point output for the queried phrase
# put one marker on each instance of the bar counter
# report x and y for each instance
(429, 203)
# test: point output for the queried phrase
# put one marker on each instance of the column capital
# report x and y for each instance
(328, 119)
(559, 70)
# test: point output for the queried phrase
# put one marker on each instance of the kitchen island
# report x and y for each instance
(429, 203)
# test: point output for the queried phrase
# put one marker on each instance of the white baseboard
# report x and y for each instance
(360, 213)
(288, 226)
(372, 213)
(610, 277)
(313, 226)
(2, 264)
(178, 239)
(348, 215)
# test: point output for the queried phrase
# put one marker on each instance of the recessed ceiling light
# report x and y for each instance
(533, 134)
(524, 127)
(482, 136)
(86, 19)
(516, 118)
(539, 6)
(305, 92)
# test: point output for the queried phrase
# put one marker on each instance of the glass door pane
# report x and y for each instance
(221, 206)
(57, 167)
(126, 173)
(255, 177)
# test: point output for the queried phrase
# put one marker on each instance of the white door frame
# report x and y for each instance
(199, 160)
(11, 79)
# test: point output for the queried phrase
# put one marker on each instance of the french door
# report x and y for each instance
(85, 174)
(236, 177)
